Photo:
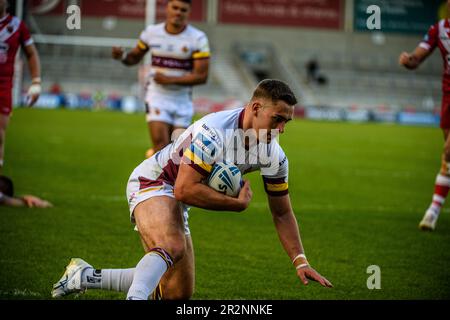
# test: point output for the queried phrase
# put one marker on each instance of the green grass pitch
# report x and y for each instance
(358, 191)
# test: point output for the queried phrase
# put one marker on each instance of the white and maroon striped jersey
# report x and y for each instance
(173, 54)
(439, 36)
(216, 138)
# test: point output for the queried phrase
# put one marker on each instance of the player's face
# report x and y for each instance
(272, 116)
(178, 12)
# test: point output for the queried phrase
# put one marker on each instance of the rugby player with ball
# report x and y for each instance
(162, 188)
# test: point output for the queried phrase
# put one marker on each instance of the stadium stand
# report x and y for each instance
(355, 73)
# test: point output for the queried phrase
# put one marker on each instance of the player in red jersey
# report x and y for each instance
(13, 34)
(438, 36)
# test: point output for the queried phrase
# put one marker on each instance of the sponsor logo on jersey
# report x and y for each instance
(171, 63)
(212, 135)
(204, 148)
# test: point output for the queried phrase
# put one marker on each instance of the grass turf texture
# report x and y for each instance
(358, 191)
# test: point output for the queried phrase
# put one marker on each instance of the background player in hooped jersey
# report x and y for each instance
(13, 34)
(160, 189)
(438, 36)
(180, 60)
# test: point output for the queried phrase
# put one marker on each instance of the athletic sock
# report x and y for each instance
(441, 189)
(91, 278)
(148, 273)
(107, 279)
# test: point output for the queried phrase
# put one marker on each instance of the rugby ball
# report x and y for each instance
(225, 178)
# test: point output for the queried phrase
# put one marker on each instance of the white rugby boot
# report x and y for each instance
(429, 220)
(70, 282)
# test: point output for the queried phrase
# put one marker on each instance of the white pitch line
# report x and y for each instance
(20, 293)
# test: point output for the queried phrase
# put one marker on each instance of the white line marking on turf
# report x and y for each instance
(21, 293)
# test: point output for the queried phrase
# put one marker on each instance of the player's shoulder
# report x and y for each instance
(217, 125)
(154, 28)
(15, 21)
(227, 119)
(194, 32)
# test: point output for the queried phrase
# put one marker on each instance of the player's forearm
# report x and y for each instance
(190, 79)
(34, 64)
(131, 60)
(413, 62)
(202, 196)
(287, 228)
(14, 202)
(416, 57)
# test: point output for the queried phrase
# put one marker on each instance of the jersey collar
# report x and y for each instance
(172, 33)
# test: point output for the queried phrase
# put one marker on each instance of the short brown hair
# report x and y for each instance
(275, 90)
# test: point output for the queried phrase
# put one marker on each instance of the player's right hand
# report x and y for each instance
(404, 58)
(245, 195)
(117, 53)
(35, 202)
(33, 94)
(409, 61)
(309, 273)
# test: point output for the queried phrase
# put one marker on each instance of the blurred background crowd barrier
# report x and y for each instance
(339, 68)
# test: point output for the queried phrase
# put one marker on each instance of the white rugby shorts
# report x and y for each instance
(174, 110)
(138, 191)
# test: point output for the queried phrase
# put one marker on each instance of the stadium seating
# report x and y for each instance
(357, 74)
